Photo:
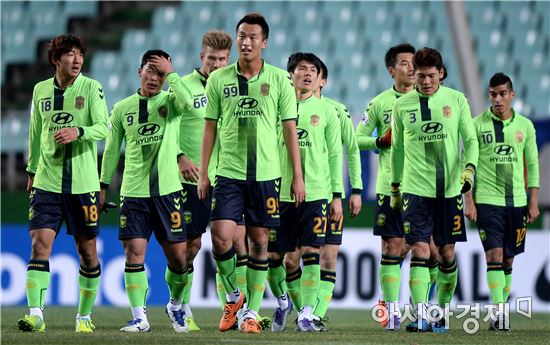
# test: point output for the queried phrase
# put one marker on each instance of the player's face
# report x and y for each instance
(151, 80)
(305, 77)
(403, 71)
(70, 64)
(428, 79)
(500, 97)
(250, 42)
(212, 59)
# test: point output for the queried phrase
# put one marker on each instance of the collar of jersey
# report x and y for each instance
(504, 122)
(68, 86)
(199, 74)
(307, 99)
(145, 97)
(254, 78)
(395, 92)
(430, 96)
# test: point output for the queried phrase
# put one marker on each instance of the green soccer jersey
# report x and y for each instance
(504, 147)
(66, 168)
(349, 140)
(192, 123)
(149, 127)
(320, 151)
(378, 116)
(425, 142)
(249, 111)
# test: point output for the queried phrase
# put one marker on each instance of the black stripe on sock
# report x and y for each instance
(390, 260)
(275, 263)
(433, 263)
(310, 259)
(328, 276)
(419, 262)
(133, 268)
(176, 271)
(507, 271)
(90, 272)
(257, 265)
(38, 265)
(494, 266)
(242, 260)
(448, 267)
(190, 269)
(225, 256)
(293, 275)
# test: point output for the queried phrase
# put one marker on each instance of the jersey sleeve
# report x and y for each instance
(287, 99)
(397, 150)
(368, 123)
(213, 107)
(111, 154)
(35, 132)
(180, 95)
(99, 114)
(531, 157)
(334, 145)
(467, 133)
(352, 151)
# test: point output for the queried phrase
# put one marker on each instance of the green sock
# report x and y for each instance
(508, 285)
(294, 286)
(419, 280)
(434, 268)
(276, 275)
(38, 280)
(188, 285)
(496, 281)
(390, 277)
(88, 281)
(176, 281)
(240, 273)
(226, 268)
(324, 295)
(256, 274)
(136, 284)
(220, 290)
(447, 278)
(310, 278)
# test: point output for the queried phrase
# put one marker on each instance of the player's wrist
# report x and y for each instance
(336, 196)
(103, 185)
(80, 132)
(356, 191)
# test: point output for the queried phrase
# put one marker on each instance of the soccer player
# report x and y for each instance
(303, 228)
(387, 221)
(151, 197)
(249, 97)
(216, 46)
(427, 125)
(507, 144)
(333, 238)
(68, 116)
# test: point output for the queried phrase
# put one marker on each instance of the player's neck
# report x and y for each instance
(303, 95)
(505, 115)
(63, 81)
(402, 88)
(249, 69)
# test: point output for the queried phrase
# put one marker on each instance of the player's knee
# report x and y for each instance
(291, 263)
(258, 247)
(221, 244)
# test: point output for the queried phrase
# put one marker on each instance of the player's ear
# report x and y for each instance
(323, 82)
(264, 43)
(140, 70)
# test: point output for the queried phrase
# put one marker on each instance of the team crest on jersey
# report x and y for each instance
(79, 102)
(519, 136)
(314, 120)
(264, 89)
(163, 111)
(447, 111)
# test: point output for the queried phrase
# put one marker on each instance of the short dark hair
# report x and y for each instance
(429, 57)
(391, 55)
(295, 58)
(64, 44)
(499, 79)
(324, 69)
(255, 18)
(153, 52)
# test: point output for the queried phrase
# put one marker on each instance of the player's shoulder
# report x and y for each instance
(44, 84)
(274, 70)
(89, 82)
(222, 73)
(523, 120)
(126, 103)
(450, 92)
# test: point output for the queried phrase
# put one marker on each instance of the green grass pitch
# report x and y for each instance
(345, 327)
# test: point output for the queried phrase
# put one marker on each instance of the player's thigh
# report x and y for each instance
(417, 218)
(491, 224)
(313, 223)
(262, 203)
(81, 213)
(45, 210)
(228, 199)
(196, 212)
(515, 231)
(449, 226)
(167, 218)
(135, 218)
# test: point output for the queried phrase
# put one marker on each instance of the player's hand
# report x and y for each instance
(188, 169)
(396, 200)
(384, 141)
(30, 182)
(203, 186)
(532, 212)
(298, 191)
(354, 204)
(162, 64)
(66, 135)
(470, 210)
(467, 179)
(336, 209)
